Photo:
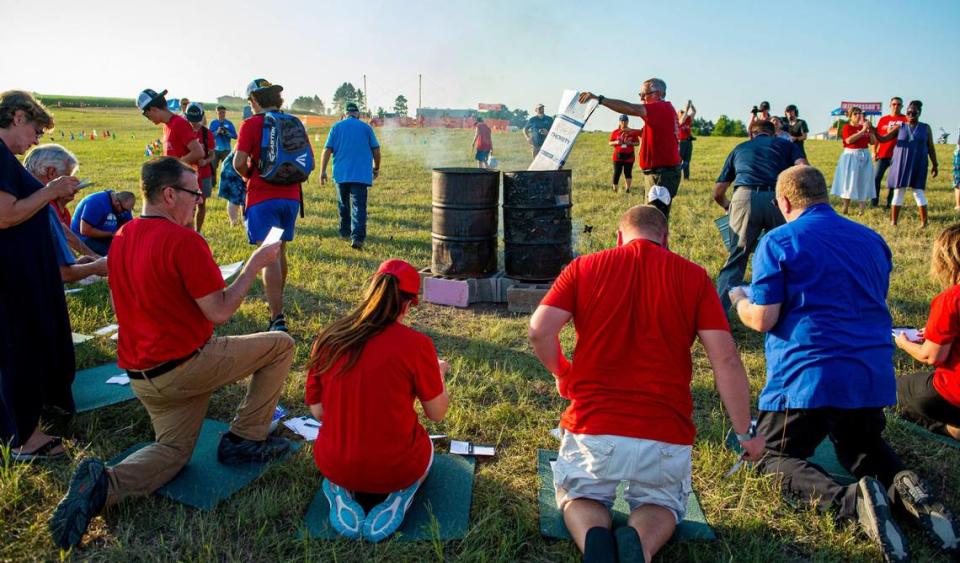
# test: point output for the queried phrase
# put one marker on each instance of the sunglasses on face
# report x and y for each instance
(197, 195)
(913, 112)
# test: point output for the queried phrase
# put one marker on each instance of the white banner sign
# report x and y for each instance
(570, 119)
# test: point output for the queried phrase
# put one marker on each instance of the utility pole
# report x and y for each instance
(366, 95)
(420, 91)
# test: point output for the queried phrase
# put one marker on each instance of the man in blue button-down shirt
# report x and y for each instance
(819, 292)
(752, 167)
(354, 147)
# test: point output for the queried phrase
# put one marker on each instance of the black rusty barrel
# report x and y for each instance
(537, 230)
(465, 222)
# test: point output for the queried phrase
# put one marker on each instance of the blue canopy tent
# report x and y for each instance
(870, 109)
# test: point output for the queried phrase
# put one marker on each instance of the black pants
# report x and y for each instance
(686, 153)
(921, 402)
(879, 170)
(792, 437)
(625, 167)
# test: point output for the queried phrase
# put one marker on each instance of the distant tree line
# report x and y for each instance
(724, 127)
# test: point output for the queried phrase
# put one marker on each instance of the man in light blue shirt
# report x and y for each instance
(819, 293)
(223, 133)
(354, 147)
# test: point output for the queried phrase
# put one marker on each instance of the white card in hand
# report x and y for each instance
(120, 379)
(912, 334)
(273, 236)
(466, 448)
(230, 270)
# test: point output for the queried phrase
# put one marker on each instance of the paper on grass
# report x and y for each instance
(109, 329)
(570, 120)
(79, 338)
(305, 426)
(72, 291)
(912, 334)
(466, 448)
(230, 270)
(115, 336)
(437, 436)
(273, 236)
(120, 379)
(89, 280)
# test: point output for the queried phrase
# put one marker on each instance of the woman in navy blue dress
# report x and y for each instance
(909, 166)
(36, 348)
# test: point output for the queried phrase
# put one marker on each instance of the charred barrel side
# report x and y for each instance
(465, 222)
(537, 226)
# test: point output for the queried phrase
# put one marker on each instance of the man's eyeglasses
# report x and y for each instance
(197, 195)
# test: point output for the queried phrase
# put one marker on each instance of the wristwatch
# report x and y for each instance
(750, 434)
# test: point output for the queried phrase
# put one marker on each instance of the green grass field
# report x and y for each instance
(500, 393)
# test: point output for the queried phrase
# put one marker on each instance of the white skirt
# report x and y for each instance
(854, 177)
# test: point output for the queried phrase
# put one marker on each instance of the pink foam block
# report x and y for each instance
(446, 292)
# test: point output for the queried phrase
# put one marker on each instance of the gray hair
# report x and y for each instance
(44, 156)
(656, 85)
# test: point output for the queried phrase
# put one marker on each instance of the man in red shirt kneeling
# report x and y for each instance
(637, 310)
(167, 293)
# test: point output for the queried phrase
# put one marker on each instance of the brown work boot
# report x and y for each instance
(923, 216)
(894, 214)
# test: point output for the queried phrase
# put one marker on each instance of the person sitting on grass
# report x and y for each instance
(365, 371)
(168, 292)
(819, 292)
(637, 309)
(933, 399)
(98, 217)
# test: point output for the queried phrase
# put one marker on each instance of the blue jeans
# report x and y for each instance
(353, 216)
(879, 170)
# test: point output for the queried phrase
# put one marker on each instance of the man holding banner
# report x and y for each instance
(659, 154)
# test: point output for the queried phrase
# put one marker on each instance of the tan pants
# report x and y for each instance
(177, 402)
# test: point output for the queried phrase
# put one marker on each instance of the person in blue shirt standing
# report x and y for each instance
(537, 128)
(223, 133)
(752, 167)
(819, 293)
(353, 146)
(98, 217)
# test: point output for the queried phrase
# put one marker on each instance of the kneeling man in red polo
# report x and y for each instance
(637, 310)
(168, 293)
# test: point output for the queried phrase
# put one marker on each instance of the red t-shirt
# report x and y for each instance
(62, 213)
(177, 134)
(248, 141)
(849, 130)
(685, 128)
(943, 327)
(371, 440)
(637, 310)
(885, 150)
(205, 171)
(659, 146)
(156, 271)
(621, 154)
(484, 140)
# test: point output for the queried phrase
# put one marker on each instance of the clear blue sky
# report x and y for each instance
(726, 56)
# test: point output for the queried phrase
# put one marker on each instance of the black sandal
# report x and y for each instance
(42, 453)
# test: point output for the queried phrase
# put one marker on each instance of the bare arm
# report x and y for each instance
(240, 163)
(76, 244)
(720, 195)
(732, 385)
(195, 154)
(78, 271)
(376, 162)
(220, 305)
(932, 151)
(88, 230)
(927, 352)
(892, 131)
(544, 335)
(760, 318)
(436, 408)
(324, 160)
(618, 106)
(14, 211)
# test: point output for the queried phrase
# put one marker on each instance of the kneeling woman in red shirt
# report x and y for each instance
(933, 399)
(366, 369)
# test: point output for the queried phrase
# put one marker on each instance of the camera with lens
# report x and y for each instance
(754, 110)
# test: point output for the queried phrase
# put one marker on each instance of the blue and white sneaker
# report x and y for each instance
(386, 518)
(346, 514)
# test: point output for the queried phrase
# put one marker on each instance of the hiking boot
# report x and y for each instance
(235, 450)
(357, 244)
(930, 514)
(346, 514)
(84, 499)
(277, 324)
(876, 519)
(386, 518)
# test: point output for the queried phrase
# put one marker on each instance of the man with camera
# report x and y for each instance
(223, 132)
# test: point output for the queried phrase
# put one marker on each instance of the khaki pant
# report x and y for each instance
(177, 403)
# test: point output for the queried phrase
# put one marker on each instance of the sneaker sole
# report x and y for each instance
(337, 505)
(397, 508)
(934, 518)
(877, 520)
(70, 519)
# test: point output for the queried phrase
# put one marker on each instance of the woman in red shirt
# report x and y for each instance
(933, 399)
(853, 178)
(366, 369)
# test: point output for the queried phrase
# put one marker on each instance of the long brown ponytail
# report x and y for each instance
(382, 304)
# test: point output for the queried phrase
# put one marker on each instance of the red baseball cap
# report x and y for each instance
(407, 277)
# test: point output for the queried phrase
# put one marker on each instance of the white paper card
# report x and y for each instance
(556, 433)
(72, 291)
(570, 119)
(437, 436)
(466, 448)
(553, 466)
(89, 280)
(305, 426)
(120, 379)
(115, 336)
(912, 334)
(78, 338)
(230, 270)
(109, 329)
(273, 236)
